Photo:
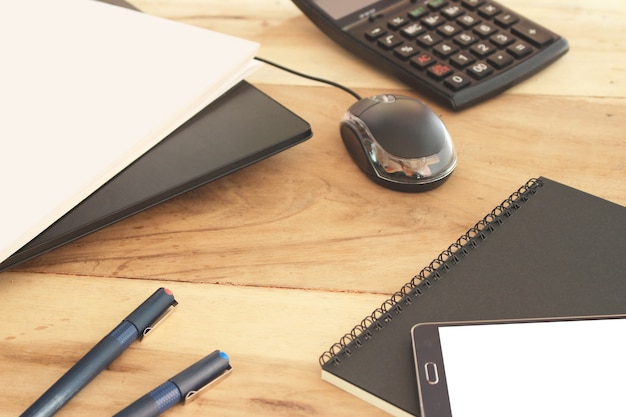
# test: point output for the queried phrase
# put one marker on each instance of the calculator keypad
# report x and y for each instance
(457, 43)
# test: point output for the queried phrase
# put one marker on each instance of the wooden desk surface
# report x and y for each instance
(274, 263)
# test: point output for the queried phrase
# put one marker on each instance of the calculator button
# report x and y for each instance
(500, 60)
(422, 61)
(472, 4)
(445, 49)
(437, 4)
(466, 39)
(418, 12)
(389, 41)
(405, 51)
(429, 39)
(448, 29)
(452, 11)
(412, 31)
(485, 29)
(489, 10)
(532, 34)
(375, 33)
(482, 49)
(462, 60)
(439, 71)
(468, 21)
(433, 21)
(519, 49)
(505, 20)
(457, 81)
(479, 70)
(502, 40)
(397, 22)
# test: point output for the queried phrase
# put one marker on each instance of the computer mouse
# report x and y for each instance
(399, 142)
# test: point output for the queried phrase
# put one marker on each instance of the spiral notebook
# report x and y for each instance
(548, 250)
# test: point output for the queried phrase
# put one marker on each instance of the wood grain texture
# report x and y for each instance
(276, 262)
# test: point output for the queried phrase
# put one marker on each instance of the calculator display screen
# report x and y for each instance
(338, 9)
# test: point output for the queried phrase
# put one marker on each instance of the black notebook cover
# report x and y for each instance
(547, 251)
(241, 127)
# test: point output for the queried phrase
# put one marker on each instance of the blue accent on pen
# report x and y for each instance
(125, 333)
(166, 395)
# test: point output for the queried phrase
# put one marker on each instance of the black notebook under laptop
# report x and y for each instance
(241, 127)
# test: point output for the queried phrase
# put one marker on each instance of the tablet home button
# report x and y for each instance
(432, 373)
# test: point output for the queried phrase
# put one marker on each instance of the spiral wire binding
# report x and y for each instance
(416, 286)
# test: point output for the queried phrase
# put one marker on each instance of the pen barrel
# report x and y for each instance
(176, 389)
(153, 403)
(86, 369)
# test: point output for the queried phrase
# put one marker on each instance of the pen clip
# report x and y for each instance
(191, 395)
(160, 319)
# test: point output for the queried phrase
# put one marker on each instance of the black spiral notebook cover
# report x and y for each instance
(548, 250)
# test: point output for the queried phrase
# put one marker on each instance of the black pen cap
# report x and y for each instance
(201, 373)
(149, 312)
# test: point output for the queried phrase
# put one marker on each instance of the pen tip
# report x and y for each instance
(168, 291)
(224, 356)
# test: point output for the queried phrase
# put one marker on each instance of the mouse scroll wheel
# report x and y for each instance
(385, 98)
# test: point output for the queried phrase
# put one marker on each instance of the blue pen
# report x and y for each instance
(138, 324)
(184, 386)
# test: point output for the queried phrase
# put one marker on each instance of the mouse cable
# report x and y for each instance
(310, 77)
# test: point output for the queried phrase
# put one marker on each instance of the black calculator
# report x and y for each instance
(458, 52)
